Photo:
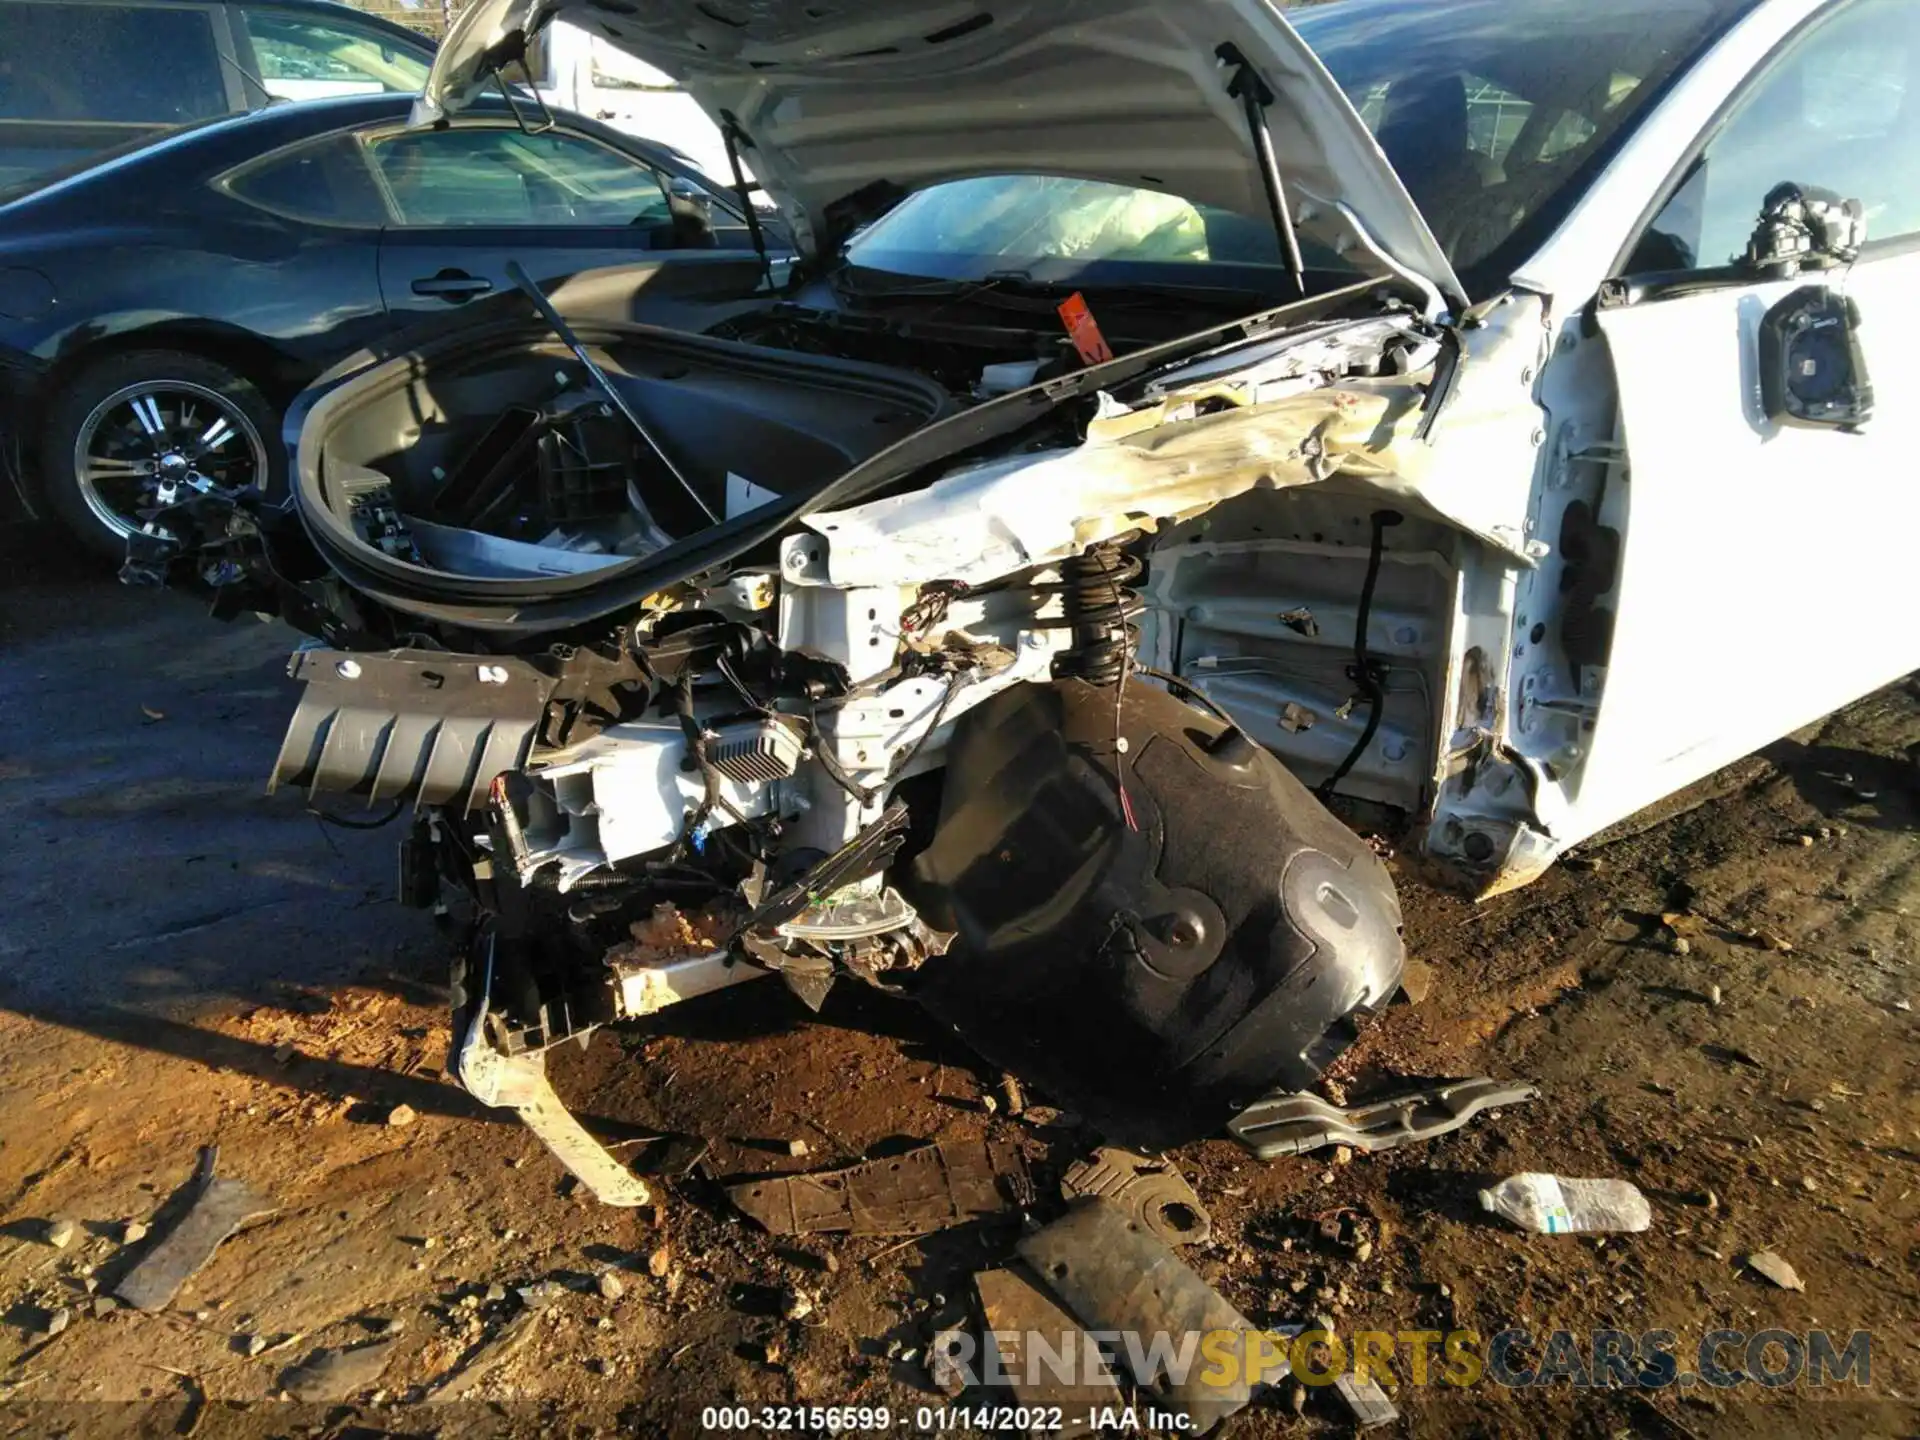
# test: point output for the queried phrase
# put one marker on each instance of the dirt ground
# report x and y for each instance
(185, 963)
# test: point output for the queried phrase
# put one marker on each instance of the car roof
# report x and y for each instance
(213, 146)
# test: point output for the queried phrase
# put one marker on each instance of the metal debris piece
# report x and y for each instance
(1283, 1125)
(1772, 1267)
(520, 1083)
(1112, 1274)
(220, 1209)
(912, 1194)
(1013, 1305)
(1369, 1403)
(1151, 1191)
(328, 1375)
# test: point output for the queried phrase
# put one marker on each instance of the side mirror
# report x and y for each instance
(1812, 372)
(1803, 227)
(692, 211)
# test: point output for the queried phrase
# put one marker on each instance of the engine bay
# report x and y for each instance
(931, 740)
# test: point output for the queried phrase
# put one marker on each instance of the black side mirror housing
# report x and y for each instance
(1812, 372)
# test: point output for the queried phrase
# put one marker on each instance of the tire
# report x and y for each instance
(122, 425)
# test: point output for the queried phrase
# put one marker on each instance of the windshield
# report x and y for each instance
(1080, 232)
(1496, 113)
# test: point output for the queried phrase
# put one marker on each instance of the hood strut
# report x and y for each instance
(517, 273)
(1256, 95)
(736, 139)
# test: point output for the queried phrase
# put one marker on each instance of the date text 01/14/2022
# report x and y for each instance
(932, 1419)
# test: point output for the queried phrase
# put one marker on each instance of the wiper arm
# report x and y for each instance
(517, 273)
(1255, 95)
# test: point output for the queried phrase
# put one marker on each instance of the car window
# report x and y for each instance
(300, 58)
(970, 229)
(1495, 118)
(115, 63)
(1496, 114)
(503, 176)
(324, 181)
(1837, 110)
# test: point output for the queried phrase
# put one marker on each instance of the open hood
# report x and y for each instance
(833, 96)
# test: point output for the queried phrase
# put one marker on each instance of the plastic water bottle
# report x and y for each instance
(1550, 1205)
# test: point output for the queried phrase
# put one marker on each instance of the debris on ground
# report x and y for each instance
(1154, 1192)
(916, 1193)
(1770, 1266)
(60, 1233)
(1362, 1394)
(945, 1367)
(330, 1375)
(485, 1358)
(1013, 1305)
(1112, 1275)
(1014, 1094)
(609, 1285)
(1416, 981)
(133, 1232)
(541, 1294)
(1283, 1125)
(401, 1115)
(219, 1209)
(1554, 1205)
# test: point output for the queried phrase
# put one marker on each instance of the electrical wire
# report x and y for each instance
(1184, 687)
(1366, 674)
(344, 823)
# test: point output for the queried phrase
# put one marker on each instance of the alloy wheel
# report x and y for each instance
(150, 443)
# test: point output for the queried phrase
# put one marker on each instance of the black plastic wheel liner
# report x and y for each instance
(1156, 973)
(547, 606)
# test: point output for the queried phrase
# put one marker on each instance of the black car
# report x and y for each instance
(81, 76)
(159, 307)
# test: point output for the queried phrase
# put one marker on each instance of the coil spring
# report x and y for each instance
(1100, 610)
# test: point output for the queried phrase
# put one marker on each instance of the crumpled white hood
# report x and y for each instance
(836, 95)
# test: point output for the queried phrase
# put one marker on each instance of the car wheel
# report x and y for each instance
(132, 424)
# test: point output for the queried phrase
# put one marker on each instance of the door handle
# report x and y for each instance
(452, 285)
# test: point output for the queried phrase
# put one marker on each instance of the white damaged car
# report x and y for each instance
(1481, 417)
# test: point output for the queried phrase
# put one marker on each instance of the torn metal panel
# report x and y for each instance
(1153, 1191)
(912, 1194)
(1285, 1125)
(1009, 514)
(1017, 1313)
(1114, 1275)
(220, 1209)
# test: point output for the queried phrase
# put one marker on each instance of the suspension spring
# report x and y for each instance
(1101, 610)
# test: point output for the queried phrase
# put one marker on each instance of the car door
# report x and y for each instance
(1767, 573)
(475, 195)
